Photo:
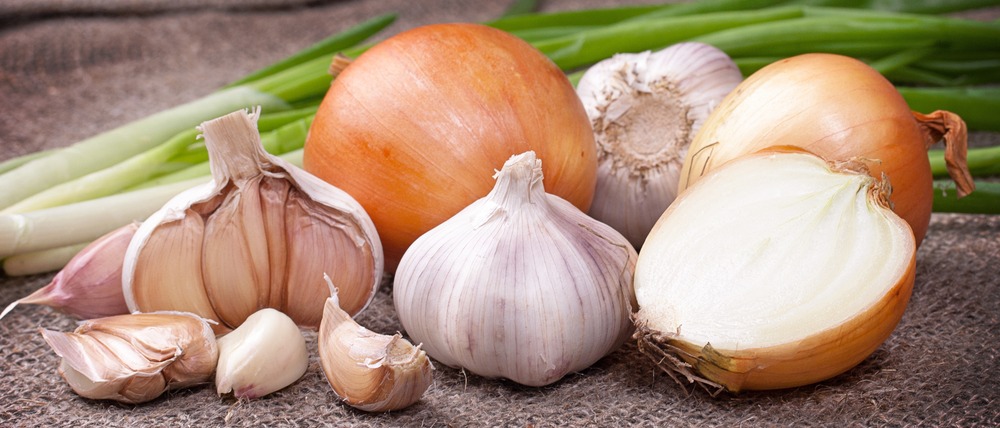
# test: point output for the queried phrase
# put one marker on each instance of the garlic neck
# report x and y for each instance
(519, 182)
(234, 147)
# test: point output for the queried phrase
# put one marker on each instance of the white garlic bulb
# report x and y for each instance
(256, 236)
(519, 285)
(645, 109)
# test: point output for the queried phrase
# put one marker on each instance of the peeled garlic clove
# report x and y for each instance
(777, 270)
(90, 285)
(645, 109)
(263, 355)
(520, 284)
(370, 371)
(250, 238)
(134, 358)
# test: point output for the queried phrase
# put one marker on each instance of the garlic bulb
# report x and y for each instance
(256, 236)
(90, 285)
(135, 358)
(776, 270)
(520, 284)
(645, 109)
(370, 371)
(263, 355)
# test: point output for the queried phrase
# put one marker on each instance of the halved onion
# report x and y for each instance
(776, 270)
(839, 108)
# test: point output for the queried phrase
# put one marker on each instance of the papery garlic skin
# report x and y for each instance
(263, 355)
(370, 371)
(519, 285)
(256, 236)
(774, 271)
(90, 285)
(645, 110)
(135, 358)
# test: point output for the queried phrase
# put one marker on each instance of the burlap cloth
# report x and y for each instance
(69, 69)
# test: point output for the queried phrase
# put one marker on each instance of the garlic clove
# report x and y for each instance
(370, 371)
(274, 197)
(156, 339)
(134, 358)
(236, 246)
(248, 239)
(263, 355)
(135, 389)
(774, 271)
(90, 285)
(171, 259)
(645, 110)
(519, 285)
(313, 243)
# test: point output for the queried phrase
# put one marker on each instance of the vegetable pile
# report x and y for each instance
(749, 234)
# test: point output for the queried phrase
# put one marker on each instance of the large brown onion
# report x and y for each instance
(408, 128)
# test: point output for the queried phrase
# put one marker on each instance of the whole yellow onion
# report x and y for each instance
(408, 127)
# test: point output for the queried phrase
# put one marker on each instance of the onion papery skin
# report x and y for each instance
(734, 343)
(836, 107)
(409, 126)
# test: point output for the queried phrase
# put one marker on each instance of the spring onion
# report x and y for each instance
(908, 48)
(985, 199)
(133, 170)
(978, 106)
(274, 92)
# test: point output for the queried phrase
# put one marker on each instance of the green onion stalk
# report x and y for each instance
(137, 169)
(979, 107)
(288, 138)
(41, 261)
(984, 200)
(44, 238)
(306, 78)
(125, 174)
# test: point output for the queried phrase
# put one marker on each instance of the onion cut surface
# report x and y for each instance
(776, 270)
